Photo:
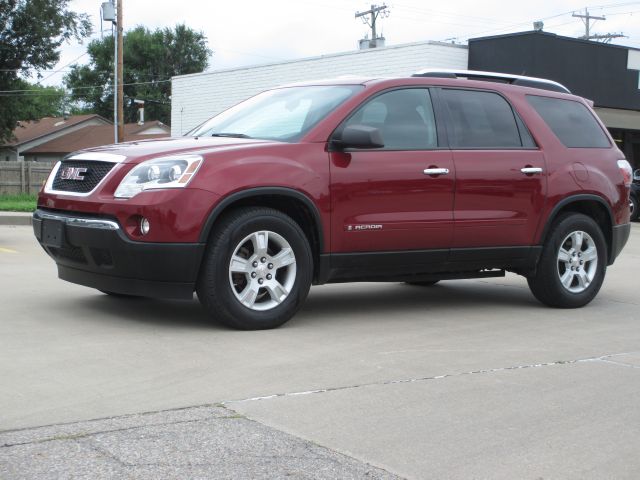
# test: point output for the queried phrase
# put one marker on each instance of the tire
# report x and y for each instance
(283, 264)
(580, 238)
(635, 213)
(425, 283)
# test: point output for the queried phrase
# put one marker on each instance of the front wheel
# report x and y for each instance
(257, 269)
(573, 263)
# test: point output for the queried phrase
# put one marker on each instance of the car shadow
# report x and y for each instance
(331, 303)
(336, 302)
(184, 314)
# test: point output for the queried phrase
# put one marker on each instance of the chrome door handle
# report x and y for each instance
(436, 171)
(531, 170)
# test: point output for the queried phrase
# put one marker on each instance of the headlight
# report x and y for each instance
(165, 172)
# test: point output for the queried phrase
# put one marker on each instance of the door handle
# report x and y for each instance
(436, 171)
(531, 170)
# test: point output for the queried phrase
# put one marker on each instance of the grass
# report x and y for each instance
(18, 203)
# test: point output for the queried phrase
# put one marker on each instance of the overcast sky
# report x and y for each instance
(247, 32)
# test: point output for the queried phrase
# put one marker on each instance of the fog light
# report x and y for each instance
(144, 226)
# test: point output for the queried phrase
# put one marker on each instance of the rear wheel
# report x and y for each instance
(633, 205)
(573, 263)
(257, 269)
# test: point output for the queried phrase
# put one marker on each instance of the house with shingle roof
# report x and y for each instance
(30, 134)
(50, 139)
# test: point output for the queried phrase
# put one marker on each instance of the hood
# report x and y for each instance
(136, 152)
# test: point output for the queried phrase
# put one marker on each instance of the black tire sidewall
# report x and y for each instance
(230, 310)
(636, 213)
(548, 271)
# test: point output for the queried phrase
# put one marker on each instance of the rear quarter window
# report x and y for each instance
(571, 121)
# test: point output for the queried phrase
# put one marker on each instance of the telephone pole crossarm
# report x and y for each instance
(587, 18)
(373, 13)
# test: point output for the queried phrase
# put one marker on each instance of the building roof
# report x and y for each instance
(549, 34)
(30, 130)
(366, 51)
(98, 135)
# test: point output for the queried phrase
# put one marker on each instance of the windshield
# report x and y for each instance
(284, 114)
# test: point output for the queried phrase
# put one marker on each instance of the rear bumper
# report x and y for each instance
(95, 252)
(620, 236)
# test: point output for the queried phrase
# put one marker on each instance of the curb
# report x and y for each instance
(15, 218)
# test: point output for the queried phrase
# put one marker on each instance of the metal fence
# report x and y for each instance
(23, 177)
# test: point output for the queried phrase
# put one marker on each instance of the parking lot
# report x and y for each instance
(467, 379)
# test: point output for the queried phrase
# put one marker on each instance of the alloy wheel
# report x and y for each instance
(262, 270)
(577, 261)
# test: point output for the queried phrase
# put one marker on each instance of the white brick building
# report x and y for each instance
(199, 96)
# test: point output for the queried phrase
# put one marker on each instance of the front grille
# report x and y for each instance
(94, 173)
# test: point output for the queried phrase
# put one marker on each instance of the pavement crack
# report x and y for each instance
(82, 435)
(602, 358)
(620, 364)
(105, 453)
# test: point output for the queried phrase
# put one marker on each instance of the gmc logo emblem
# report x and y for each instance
(73, 173)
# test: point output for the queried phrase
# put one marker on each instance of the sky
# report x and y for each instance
(251, 32)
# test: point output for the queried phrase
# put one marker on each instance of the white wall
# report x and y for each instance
(197, 97)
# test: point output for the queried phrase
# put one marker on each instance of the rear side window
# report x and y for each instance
(481, 120)
(571, 121)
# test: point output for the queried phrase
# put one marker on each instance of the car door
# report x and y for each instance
(398, 197)
(500, 172)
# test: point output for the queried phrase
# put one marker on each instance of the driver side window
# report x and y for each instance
(404, 117)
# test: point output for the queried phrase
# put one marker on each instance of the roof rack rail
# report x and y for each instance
(520, 80)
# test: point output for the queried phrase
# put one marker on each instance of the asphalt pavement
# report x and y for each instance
(466, 379)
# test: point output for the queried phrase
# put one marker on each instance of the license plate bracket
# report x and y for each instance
(53, 233)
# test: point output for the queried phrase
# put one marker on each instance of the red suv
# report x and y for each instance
(443, 175)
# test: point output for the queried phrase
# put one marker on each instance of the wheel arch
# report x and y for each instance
(292, 202)
(593, 206)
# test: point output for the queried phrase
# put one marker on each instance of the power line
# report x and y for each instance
(586, 19)
(86, 87)
(373, 14)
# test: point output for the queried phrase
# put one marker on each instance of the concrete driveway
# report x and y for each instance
(467, 379)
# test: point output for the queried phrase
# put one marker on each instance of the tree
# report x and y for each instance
(151, 58)
(31, 33)
(34, 101)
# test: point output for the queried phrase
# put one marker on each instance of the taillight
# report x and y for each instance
(627, 173)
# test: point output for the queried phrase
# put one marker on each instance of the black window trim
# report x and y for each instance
(443, 143)
(517, 117)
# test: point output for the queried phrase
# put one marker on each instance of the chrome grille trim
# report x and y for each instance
(98, 156)
(48, 187)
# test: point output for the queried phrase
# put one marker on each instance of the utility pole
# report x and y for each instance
(119, 30)
(586, 19)
(373, 12)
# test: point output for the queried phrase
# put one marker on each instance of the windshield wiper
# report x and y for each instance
(232, 135)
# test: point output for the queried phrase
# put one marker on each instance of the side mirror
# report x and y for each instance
(636, 175)
(359, 136)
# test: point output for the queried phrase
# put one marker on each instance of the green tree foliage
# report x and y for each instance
(38, 101)
(31, 33)
(151, 58)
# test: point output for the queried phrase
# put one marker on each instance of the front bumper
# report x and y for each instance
(95, 252)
